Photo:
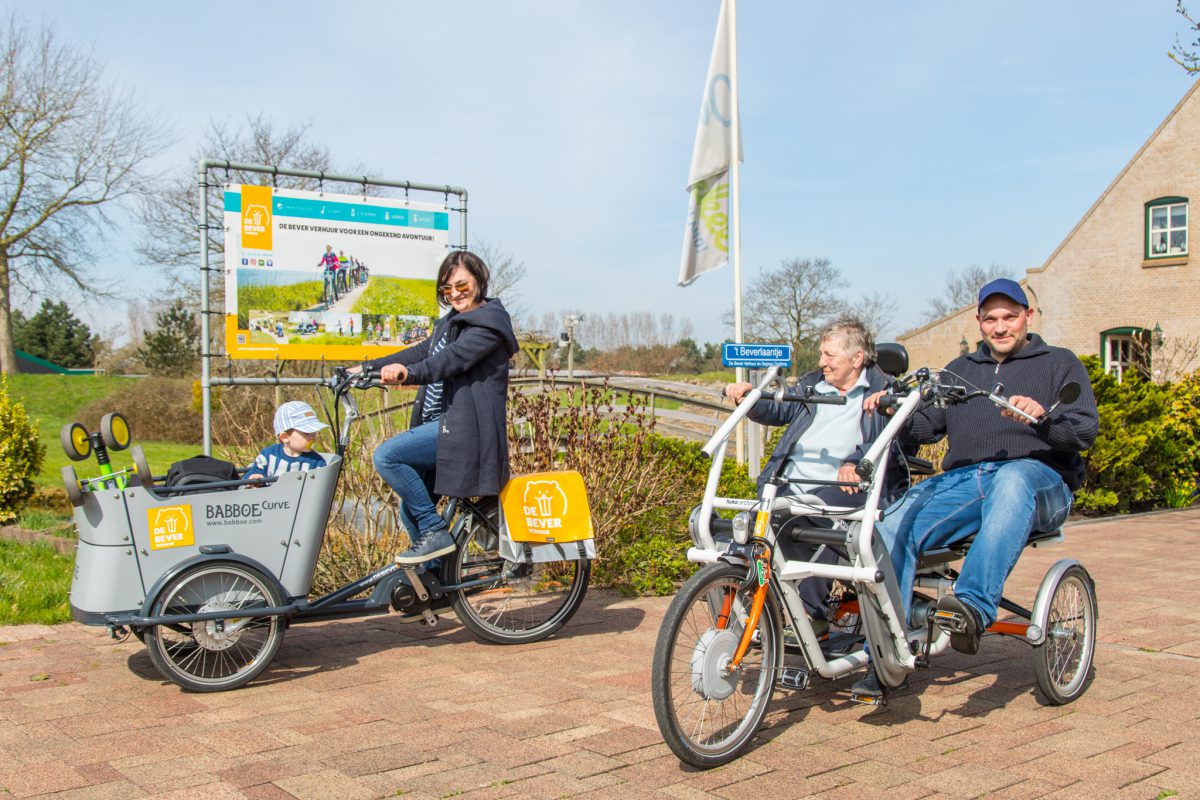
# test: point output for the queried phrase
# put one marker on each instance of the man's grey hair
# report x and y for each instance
(853, 335)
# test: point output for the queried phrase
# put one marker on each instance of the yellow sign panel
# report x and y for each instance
(170, 526)
(547, 507)
(256, 217)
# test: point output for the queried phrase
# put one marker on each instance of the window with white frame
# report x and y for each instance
(1125, 349)
(1118, 355)
(1166, 227)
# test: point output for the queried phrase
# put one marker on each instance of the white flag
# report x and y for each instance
(706, 237)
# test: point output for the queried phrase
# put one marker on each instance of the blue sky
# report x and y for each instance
(901, 140)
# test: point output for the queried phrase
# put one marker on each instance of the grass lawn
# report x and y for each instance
(405, 296)
(53, 400)
(35, 581)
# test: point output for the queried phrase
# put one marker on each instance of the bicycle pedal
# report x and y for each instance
(428, 618)
(950, 620)
(794, 678)
(868, 699)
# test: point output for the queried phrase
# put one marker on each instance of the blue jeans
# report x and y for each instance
(1001, 501)
(403, 461)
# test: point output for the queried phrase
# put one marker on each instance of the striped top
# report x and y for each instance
(434, 404)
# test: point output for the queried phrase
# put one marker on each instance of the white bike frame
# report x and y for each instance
(870, 577)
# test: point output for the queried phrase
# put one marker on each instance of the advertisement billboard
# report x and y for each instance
(313, 275)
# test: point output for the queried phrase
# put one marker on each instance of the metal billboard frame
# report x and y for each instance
(207, 381)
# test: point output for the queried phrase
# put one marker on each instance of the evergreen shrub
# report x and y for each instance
(21, 454)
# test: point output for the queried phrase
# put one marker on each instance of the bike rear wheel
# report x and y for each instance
(520, 602)
(1062, 663)
(707, 715)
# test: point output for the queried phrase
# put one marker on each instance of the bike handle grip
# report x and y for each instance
(890, 402)
(815, 399)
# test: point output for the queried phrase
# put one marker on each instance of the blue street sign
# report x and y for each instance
(734, 354)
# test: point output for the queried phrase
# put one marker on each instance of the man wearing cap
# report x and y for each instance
(296, 427)
(1004, 476)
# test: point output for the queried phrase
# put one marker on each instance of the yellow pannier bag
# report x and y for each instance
(547, 518)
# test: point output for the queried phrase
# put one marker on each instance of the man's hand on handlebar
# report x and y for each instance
(737, 391)
(1027, 404)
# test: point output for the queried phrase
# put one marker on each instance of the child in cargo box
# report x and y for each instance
(296, 427)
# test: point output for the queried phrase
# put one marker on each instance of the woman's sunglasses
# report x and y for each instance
(448, 289)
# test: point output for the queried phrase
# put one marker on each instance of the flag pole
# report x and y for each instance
(735, 205)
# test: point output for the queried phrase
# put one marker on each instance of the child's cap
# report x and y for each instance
(299, 415)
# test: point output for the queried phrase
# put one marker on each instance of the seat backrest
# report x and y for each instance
(892, 358)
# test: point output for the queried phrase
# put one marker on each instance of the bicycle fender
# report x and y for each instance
(207, 558)
(1041, 606)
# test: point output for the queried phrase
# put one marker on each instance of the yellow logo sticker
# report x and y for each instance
(547, 507)
(256, 217)
(170, 526)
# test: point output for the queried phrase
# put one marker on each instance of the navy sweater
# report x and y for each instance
(977, 431)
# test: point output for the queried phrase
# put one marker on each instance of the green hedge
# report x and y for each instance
(1146, 455)
(650, 553)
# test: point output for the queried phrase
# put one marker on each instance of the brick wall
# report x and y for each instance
(1098, 278)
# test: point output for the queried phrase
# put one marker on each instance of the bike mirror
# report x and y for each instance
(1069, 393)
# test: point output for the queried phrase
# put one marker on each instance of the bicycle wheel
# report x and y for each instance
(708, 715)
(521, 602)
(1063, 661)
(215, 655)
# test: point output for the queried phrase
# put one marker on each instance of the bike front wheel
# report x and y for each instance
(215, 655)
(706, 712)
(517, 603)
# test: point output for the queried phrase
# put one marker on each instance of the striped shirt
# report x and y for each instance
(434, 404)
(274, 460)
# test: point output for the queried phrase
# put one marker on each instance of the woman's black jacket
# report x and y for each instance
(472, 455)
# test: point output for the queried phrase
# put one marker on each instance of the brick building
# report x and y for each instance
(1120, 285)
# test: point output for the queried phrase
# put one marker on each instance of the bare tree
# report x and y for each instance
(170, 215)
(506, 271)
(961, 289)
(1167, 359)
(877, 311)
(802, 296)
(1187, 56)
(70, 148)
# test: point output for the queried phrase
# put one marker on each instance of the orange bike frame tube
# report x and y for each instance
(760, 597)
(1011, 628)
(726, 607)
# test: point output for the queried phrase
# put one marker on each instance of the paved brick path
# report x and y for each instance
(373, 708)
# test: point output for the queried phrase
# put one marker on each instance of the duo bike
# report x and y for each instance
(738, 628)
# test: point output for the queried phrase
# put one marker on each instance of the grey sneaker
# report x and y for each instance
(428, 545)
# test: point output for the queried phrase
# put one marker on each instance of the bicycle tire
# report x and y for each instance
(526, 607)
(206, 656)
(1062, 662)
(690, 688)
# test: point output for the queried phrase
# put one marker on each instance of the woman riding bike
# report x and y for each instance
(457, 441)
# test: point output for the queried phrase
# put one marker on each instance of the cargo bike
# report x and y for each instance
(738, 627)
(210, 578)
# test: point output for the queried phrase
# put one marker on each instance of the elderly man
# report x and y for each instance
(1005, 476)
(824, 443)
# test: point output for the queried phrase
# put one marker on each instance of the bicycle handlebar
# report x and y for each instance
(890, 402)
(808, 397)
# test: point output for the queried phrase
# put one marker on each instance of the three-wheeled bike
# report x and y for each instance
(209, 578)
(738, 626)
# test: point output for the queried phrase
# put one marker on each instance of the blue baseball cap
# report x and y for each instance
(1010, 289)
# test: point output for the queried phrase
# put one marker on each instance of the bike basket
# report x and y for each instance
(545, 517)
